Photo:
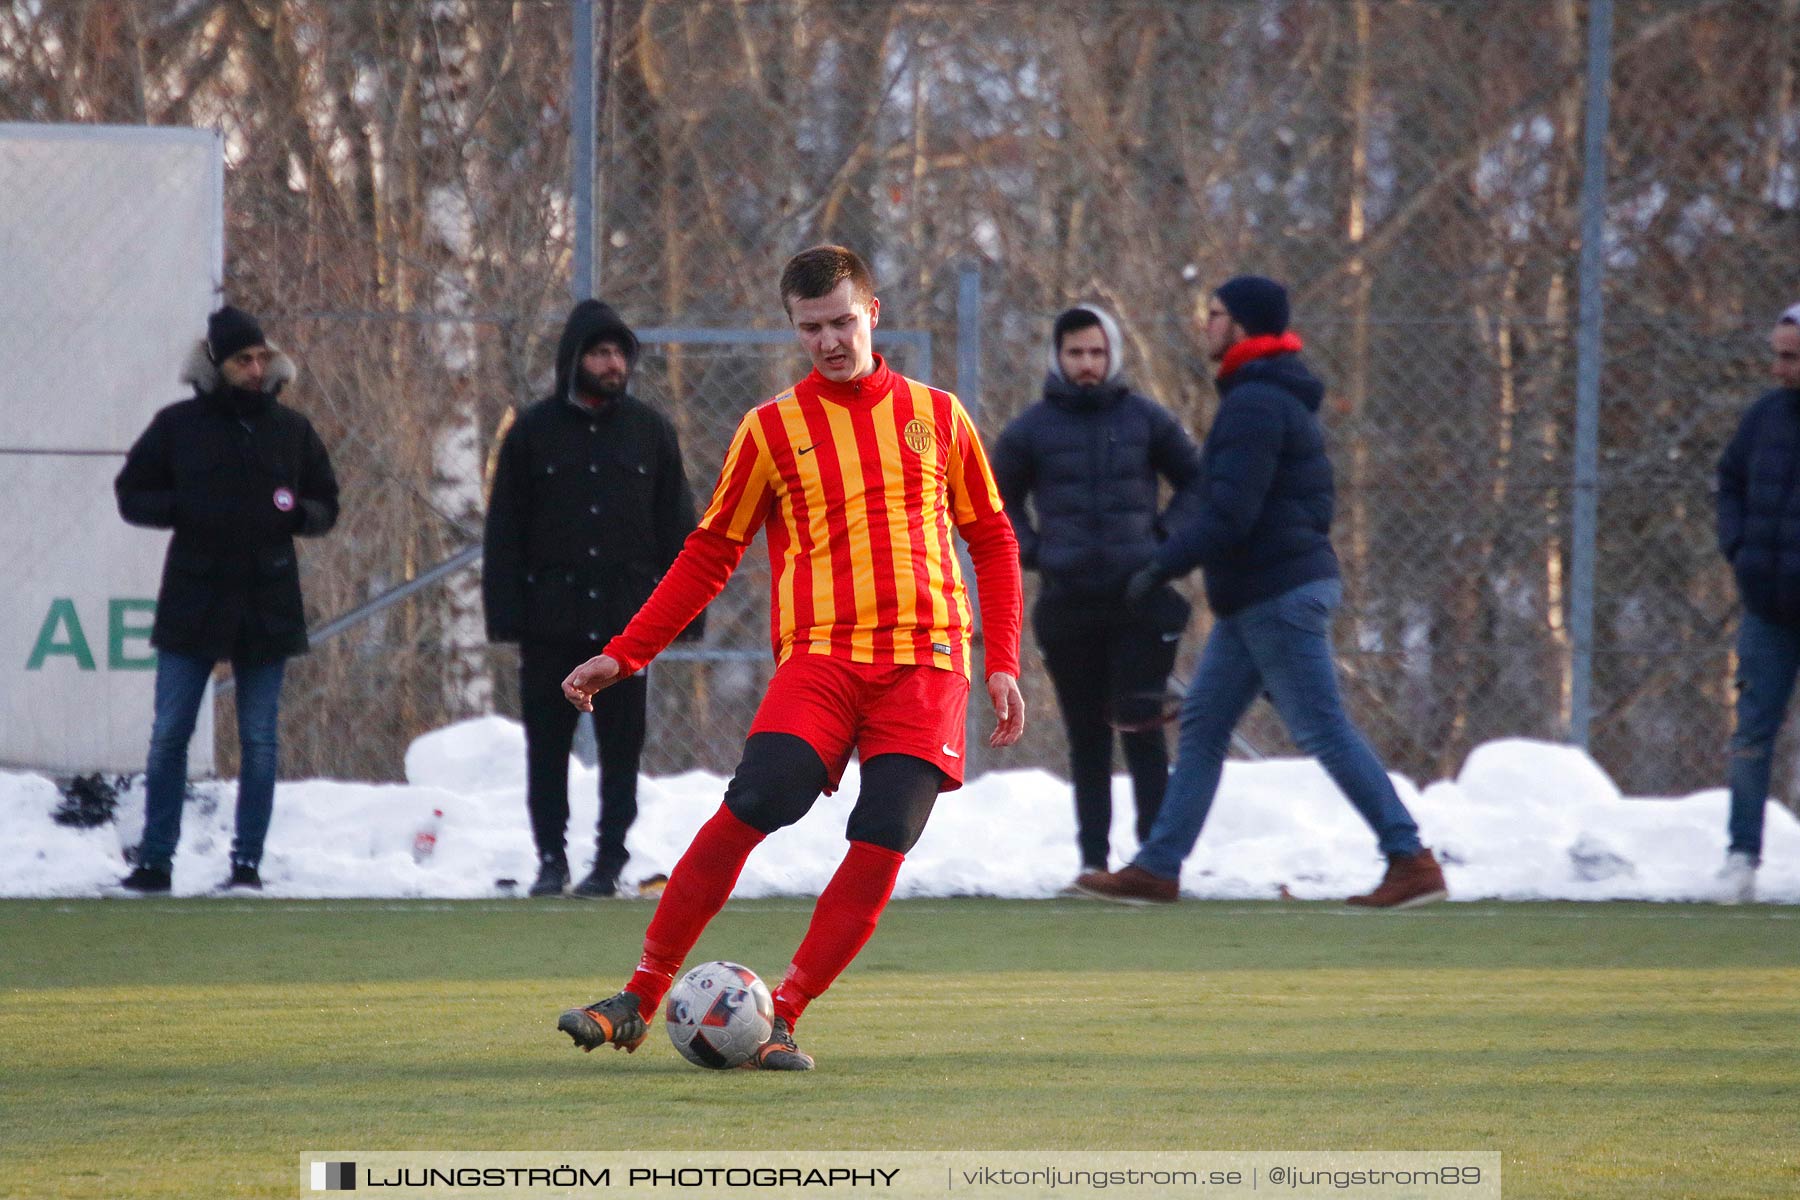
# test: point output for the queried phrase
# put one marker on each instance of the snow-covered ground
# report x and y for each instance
(1523, 820)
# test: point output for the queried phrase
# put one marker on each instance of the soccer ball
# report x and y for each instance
(719, 1014)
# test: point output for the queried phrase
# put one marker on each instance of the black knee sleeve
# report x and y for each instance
(898, 792)
(776, 781)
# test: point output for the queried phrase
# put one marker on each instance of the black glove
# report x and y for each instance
(1142, 585)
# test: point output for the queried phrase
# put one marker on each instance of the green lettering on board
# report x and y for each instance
(75, 645)
(118, 633)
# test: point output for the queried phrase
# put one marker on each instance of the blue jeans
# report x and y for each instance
(1282, 646)
(180, 683)
(1768, 658)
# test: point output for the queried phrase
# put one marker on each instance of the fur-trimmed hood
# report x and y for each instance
(200, 370)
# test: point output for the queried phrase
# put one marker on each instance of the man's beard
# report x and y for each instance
(594, 387)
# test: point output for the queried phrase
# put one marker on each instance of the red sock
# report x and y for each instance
(842, 923)
(697, 889)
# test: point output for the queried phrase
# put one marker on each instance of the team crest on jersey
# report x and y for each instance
(918, 436)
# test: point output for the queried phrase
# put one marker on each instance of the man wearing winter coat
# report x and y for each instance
(590, 504)
(1759, 535)
(237, 475)
(1079, 473)
(1262, 532)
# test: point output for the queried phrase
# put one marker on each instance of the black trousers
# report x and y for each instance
(1109, 666)
(781, 776)
(619, 725)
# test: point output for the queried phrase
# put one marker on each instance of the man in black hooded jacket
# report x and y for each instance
(589, 506)
(237, 475)
(1088, 457)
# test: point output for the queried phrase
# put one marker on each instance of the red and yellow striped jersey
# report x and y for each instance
(858, 486)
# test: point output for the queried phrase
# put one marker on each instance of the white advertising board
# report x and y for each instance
(111, 255)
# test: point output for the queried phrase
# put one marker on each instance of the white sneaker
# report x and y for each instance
(1739, 877)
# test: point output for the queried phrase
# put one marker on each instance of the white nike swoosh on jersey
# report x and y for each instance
(950, 752)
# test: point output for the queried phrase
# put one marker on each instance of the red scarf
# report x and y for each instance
(1262, 346)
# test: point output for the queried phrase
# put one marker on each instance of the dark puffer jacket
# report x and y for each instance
(1759, 507)
(588, 509)
(1264, 500)
(1087, 458)
(236, 476)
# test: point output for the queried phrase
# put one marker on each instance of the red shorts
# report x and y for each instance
(836, 705)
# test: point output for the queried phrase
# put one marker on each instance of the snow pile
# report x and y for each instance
(1523, 820)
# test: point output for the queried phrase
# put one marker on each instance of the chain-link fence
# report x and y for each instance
(1414, 170)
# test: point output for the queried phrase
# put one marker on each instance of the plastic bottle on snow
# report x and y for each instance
(425, 841)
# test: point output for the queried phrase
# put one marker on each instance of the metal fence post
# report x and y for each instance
(968, 390)
(1589, 351)
(582, 160)
(968, 337)
(582, 148)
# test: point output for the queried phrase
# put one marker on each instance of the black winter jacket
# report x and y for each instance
(235, 477)
(1759, 507)
(1088, 460)
(588, 509)
(1264, 499)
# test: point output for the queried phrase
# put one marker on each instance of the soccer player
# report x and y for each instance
(856, 475)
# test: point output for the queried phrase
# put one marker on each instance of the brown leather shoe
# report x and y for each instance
(1129, 885)
(1411, 880)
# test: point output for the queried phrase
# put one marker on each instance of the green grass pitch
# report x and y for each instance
(195, 1047)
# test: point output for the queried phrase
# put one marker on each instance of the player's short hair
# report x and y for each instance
(817, 272)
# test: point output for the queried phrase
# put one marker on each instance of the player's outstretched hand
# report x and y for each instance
(1009, 709)
(596, 674)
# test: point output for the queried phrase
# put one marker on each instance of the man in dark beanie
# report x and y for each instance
(588, 507)
(230, 330)
(1258, 306)
(1079, 474)
(237, 475)
(1261, 531)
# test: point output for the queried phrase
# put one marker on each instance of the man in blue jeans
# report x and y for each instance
(1759, 535)
(1261, 531)
(236, 474)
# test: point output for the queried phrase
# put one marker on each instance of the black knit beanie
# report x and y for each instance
(1259, 305)
(230, 330)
